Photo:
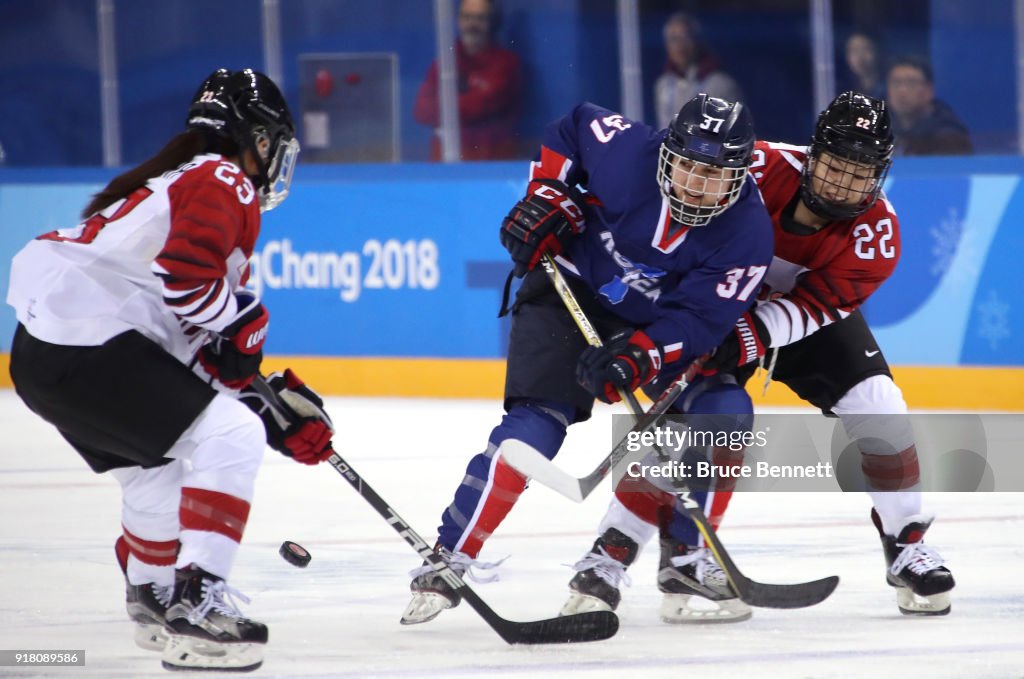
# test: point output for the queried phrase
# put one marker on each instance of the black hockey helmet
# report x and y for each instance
(715, 134)
(854, 128)
(247, 107)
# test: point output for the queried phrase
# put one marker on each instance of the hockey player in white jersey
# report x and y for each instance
(137, 340)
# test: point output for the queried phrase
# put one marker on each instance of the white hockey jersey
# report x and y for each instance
(164, 261)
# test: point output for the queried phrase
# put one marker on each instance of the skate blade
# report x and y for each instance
(912, 604)
(150, 637)
(424, 607)
(191, 653)
(583, 603)
(687, 609)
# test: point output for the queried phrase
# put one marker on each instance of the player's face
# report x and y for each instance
(842, 181)
(248, 163)
(699, 185)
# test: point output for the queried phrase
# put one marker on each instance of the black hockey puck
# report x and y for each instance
(295, 554)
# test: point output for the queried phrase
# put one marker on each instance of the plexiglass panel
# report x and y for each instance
(357, 72)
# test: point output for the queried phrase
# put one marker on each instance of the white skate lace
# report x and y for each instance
(706, 569)
(219, 597)
(462, 564)
(919, 557)
(605, 567)
(163, 594)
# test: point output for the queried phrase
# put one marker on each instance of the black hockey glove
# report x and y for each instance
(234, 355)
(629, 360)
(746, 343)
(304, 432)
(542, 222)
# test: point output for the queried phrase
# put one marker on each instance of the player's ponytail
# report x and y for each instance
(178, 150)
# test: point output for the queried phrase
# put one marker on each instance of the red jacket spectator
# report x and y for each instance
(490, 83)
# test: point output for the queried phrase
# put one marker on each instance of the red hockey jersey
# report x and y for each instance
(817, 277)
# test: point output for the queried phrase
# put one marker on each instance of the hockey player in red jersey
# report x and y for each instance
(836, 240)
(136, 339)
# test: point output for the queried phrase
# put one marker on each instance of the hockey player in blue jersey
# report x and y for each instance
(664, 239)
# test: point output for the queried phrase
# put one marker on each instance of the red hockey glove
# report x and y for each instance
(746, 344)
(545, 221)
(304, 433)
(628, 361)
(235, 354)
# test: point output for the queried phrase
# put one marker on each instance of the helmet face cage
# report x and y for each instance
(708, 190)
(841, 188)
(279, 174)
(248, 107)
(703, 160)
(850, 155)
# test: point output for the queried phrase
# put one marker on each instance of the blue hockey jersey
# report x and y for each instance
(685, 286)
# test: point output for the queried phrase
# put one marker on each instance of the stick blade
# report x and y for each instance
(799, 595)
(531, 463)
(568, 629)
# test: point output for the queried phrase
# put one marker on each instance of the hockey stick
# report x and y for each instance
(753, 593)
(529, 461)
(592, 626)
(580, 316)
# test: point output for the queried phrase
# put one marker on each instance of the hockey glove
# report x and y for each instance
(542, 222)
(746, 343)
(629, 360)
(235, 354)
(303, 430)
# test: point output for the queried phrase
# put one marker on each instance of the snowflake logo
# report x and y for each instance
(994, 325)
(946, 237)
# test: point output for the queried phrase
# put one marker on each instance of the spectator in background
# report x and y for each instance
(923, 125)
(864, 60)
(690, 68)
(489, 88)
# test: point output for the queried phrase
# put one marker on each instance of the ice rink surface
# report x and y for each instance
(61, 588)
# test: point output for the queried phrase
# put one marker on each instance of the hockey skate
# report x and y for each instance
(146, 605)
(695, 587)
(206, 630)
(595, 587)
(917, 572)
(431, 594)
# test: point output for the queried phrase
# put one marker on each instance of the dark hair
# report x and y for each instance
(178, 150)
(914, 61)
(701, 49)
(688, 20)
(868, 35)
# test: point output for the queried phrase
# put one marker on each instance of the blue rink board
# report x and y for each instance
(404, 261)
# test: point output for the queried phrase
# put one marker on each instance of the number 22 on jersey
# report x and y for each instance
(864, 248)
